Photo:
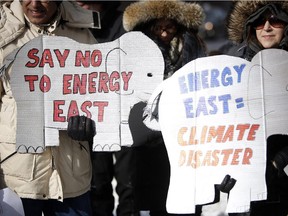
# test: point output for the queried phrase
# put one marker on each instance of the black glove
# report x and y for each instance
(227, 184)
(281, 159)
(81, 128)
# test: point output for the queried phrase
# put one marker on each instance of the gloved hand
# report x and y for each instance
(81, 128)
(281, 159)
(227, 184)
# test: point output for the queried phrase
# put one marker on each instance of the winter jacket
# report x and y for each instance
(186, 45)
(240, 23)
(59, 172)
(152, 162)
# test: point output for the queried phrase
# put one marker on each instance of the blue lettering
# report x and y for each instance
(194, 81)
(214, 78)
(225, 99)
(201, 108)
(182, 85)
(211, 102)
(239, 70)
(204, 76)
(226, 79)
(188, 103)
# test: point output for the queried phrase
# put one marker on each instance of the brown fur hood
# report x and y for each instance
(241, 12)
(190, 15)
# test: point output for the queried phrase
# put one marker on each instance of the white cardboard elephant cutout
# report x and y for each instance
(54, 78)
(215, 114)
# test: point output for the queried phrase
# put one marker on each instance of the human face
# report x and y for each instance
(165, 30)
(269, 32)
(39, 12)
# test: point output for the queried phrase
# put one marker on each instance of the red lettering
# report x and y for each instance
(79, 85)
(216, 133)
(82, 60)
(126, 78)
(248, 153)
(84, 106)
(96, 58)
(67, 84)
(46, 59)
(62, 58)
(92, 83)
(114, 86)
(73, 109)
(215, 157)
(58, 111)
(31, 79)
(101, 105)
(45, 84)
(32, 55)
(103, 82)
(229, 134)
(251, 135)
(226, 153)
(242, 128)
(235, 158)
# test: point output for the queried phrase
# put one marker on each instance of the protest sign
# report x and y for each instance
(54, 78)
(215, 114)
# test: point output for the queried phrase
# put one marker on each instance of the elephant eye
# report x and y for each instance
(149, 74)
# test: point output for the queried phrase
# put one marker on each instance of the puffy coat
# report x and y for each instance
(59, 172)
(239, 26)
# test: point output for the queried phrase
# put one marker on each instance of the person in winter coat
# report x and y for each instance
(117, 165)
(57, 181)
(173, 26)
(254, 26)
(257, 25)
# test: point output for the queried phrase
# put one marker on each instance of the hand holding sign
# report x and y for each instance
(81, 128)
(56, 78)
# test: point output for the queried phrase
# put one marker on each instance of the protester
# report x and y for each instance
(173, 26)
(57, 181)
(254, 26)
(257, 25)
(109, 165)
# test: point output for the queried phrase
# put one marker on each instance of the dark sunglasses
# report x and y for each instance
(273, 21)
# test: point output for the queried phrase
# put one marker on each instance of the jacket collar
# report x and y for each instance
(13, 23)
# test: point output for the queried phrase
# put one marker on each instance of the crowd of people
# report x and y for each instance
(52, 183)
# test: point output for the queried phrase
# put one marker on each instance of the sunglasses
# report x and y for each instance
(273, 21)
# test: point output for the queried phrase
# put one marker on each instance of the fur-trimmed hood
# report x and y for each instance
(189, 15)
(242, 10)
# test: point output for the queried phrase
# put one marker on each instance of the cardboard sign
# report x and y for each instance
(215, 114)
(54, 78)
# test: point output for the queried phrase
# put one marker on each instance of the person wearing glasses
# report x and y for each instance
(173, 26)
(254, 26)
(57, 181)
